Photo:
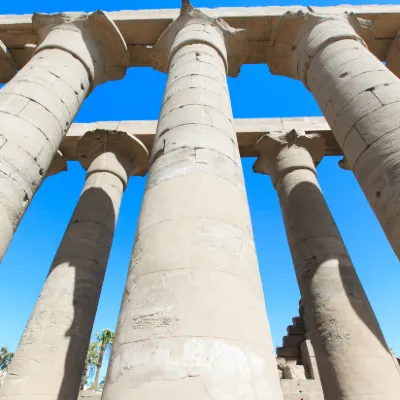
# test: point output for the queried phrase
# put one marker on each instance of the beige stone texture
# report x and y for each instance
(7, 65)
(59, 164)
(89, 395)
(142, 28)
(359, 97)
(193, 322)
(50, 358)
(306, 389)
(309, 360)
(39, 104)
(393, 56)
(353, 359)
(248, 131)
(299, 372)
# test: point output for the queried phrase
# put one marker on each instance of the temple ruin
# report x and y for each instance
(180, 333)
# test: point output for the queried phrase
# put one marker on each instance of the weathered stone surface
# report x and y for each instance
(58, 164)
(358, 95)
(7, 65)
(39, 104)
(353, 358)
(288, 351)
(89, 395)
(248, 131)
(301, 389)
(142, 28)
(50, 358)
(393, 56)
(295, 330)
(182, 331)
(294, 372)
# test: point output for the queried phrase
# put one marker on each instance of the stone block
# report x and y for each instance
(288, 351)
(293, 340)
(294, 372)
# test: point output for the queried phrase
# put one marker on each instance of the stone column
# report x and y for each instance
(358, 95)
(193, 323)
(353, 359)
(39, 104)
(393, 56)
(50, 357)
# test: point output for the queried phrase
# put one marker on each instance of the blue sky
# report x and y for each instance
(255, 94)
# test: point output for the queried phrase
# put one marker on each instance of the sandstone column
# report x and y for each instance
(193, 323)
(393, 56)
(39, 104)
(353, 359)
(50, 358)
(358, 95)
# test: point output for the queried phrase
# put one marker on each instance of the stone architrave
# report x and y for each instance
(49, 361)
(359, 96)
(353, 359)
(193, 323)
(39, 104)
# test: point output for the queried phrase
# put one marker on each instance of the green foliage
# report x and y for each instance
(105, 338)
(92, 358)
(5, 358)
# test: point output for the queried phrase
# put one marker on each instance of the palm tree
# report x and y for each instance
(91, 361)
(5, 360)
(105, 338)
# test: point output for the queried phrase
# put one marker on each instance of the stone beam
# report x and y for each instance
(249, 131)
(142, 28)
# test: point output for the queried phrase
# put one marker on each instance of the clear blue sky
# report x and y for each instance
(255, 94)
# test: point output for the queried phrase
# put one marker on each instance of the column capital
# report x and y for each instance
(231, 43)
(7, 66)
(280, 151)
(131, 157)
(393, 56)
(94, 39)
(297, 37)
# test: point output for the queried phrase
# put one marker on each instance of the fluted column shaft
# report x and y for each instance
(39, 104)
(49, 361)
(360, 99)
(193, 322)
(353, 358)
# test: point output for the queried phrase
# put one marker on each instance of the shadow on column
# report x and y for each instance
(86, 250)
(315, 205)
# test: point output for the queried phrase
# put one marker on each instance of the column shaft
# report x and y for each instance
(193, 322)
(50, 358)
(360, 99)
(36, 109)
(39, 104)
(353, 358)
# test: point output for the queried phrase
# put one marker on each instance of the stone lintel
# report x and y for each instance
(8, 67)
(249, 131)
(97, 141)
(393, 57)
(92, 38)
(142, 28)
(234, 51)
(270, 145)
